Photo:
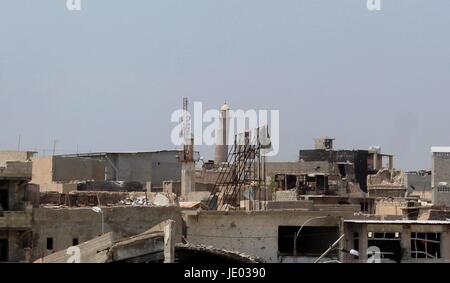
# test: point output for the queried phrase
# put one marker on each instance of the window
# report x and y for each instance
(3, 199)
(388, 243)
(49, 243)
(3, 250)
(311, 242)
(425, 245)
(342, 170)
(75, 242)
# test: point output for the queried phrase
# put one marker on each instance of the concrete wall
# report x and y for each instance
(441, 196)
(67, 169)
(142, 167)
(42, 172)
(420, 182)
(390, 207)
(154, 167)
(440, 168)
(63, 225)
(22, 156)
(405, 236)
(254, 233)
(53, 173)
(16, 169)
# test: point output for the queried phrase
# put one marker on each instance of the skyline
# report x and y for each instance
(108, 78)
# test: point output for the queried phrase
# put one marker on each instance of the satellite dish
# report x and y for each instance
(354, 253)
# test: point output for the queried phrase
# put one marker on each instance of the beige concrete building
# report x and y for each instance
(61, 174)
(398, 241)
(20, 156)
(269, 234)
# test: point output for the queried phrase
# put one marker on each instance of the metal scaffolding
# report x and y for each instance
(242, 176)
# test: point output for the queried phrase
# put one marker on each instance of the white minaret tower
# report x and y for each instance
(187, 158)
(221, 150)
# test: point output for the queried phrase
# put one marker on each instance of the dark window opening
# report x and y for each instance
(342, 170)
(49, 243)
(3, 250)
(364, 207)
(356, 242)
(4, 200)
(321, 182)
(311, 242)
(388, 243)
(286, 182)
(425, 245)
(75, 242)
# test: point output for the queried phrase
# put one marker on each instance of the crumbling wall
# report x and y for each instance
(387, 177)
(386, 206)
(254, 233)
(63, 225)
(86, 198)
(387, 183)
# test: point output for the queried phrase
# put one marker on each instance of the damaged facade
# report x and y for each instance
(238, 208)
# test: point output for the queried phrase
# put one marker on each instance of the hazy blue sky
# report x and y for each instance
(108, 78)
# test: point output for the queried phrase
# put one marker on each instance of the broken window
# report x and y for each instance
(3, 250)
(388, 243)
(342, 171)
(425, 245)
(3, 199)
(311, 242)
(49, 243)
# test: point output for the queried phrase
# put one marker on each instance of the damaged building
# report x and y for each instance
(16, 199)
(150, 167)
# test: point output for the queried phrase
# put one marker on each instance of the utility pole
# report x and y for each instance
(18, 143)
(54, 146)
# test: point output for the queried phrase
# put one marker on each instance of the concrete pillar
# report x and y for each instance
(445, 245)
(169, 242)
(405, 243)
(391, 162)
(187, 178)
(375, 161)
(27, 254)
(148, 187)
(363, 243)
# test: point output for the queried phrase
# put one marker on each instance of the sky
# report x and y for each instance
(108, 77)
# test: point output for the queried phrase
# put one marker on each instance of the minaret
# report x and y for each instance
(221, 150)
(187, 158)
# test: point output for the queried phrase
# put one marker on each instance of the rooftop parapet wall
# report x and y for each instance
(9, 155)
(16, 170)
